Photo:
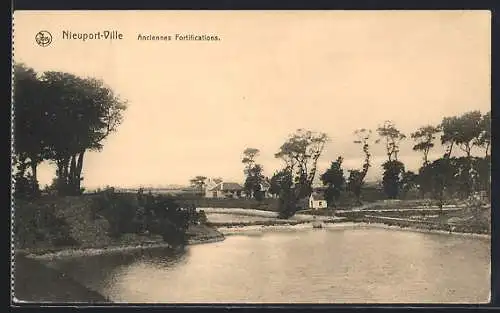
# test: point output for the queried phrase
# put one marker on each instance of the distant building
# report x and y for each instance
(264, 187)
(224, 190)
(317, 201)
(211, 183)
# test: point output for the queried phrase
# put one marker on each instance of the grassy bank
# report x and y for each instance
(472, 220)
(52, 224)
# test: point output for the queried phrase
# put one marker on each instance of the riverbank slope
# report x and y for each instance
(35, 282)
(50, 225)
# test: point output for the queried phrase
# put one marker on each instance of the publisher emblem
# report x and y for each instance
(43, 38)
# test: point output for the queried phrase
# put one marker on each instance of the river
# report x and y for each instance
(338, 265)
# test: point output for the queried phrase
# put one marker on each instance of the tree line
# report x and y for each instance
(447, 176)
(58, 117)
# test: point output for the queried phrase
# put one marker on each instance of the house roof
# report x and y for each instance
(317, 197)
(265, 184)
(227, 187)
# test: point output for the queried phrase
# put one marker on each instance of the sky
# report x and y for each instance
(194, 106)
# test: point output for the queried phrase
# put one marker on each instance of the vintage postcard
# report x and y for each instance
(251, 157)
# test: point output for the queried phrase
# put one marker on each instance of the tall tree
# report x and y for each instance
(484, 139)
(253, 172)
(391, 137)
(425, 137)
(449, 126)
(463, 131)
(82, 113)
(29, 117)
(301, 153)
(393, 168)
(356, 178)
(254, 181)
(470, 130)
(334, 180)
(249, 156)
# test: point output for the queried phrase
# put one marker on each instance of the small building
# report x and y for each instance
(317, 201)
(264, 188)
(211, 183)
(225, 190)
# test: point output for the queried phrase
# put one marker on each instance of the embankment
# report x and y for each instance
(470, 220)
(69, 223)
(34, 281)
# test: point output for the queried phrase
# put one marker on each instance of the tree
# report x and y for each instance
(449, 127)
(29, 116)
(81, 113)
(464, 131)
(254, 182)
(392, 179)
(393, 169)
(356, 178)
(355, 183)
(253, 172)
(408, 182)
(24, 182)
(301, 153)
(198, 183)
(334, 179)
(484, 139)
(424, 137)
(438, 177)
(482, 169)
(288, 202)
(249, 155)
(277, 182)
(464, 176)
(470, 130)
(391, 137)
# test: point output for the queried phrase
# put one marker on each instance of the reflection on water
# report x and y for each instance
(327, 266)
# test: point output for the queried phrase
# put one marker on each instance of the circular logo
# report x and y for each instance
(43, 38)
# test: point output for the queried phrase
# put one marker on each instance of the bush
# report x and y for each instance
(39, 225)
(156, 214)
(24, 187)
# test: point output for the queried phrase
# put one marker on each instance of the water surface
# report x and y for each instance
(298, 266)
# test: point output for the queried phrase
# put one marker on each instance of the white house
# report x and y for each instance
(317, 201)
(224, 190)
(210, 183)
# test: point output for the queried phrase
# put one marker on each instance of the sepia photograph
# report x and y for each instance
(251, 157)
